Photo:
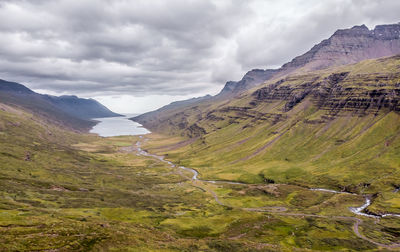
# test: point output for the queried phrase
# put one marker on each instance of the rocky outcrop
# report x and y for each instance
(334, 95)
(195, 131)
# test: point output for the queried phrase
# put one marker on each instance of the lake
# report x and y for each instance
(118, 126)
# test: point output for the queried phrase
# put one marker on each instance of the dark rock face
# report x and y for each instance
(332, 95)
(195, 131)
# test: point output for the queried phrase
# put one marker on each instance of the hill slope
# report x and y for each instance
(70, 111)
(336, 128)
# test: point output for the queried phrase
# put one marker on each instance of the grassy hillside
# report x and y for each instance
(64, 191)
(337, 128)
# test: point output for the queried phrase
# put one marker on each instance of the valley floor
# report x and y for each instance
(107, 194)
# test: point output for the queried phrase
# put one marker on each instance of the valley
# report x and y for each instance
(108, 193)
(304, 157)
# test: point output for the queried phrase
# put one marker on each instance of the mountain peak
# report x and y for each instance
(357, 30)
(387, 32)
(8, 86)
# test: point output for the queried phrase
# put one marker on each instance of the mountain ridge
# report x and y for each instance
(70, 111)
(339, 49)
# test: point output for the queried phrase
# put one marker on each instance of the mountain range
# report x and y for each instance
(69, 111)
(345, 46)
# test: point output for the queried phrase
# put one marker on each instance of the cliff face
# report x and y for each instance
(334, 95)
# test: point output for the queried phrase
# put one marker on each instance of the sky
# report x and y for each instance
(137, 55)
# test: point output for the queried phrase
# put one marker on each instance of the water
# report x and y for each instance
(118, 126)
(359, 210)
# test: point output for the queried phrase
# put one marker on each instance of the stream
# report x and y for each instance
(356, 210)
(282, 210)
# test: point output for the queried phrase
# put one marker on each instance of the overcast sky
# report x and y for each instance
(136, 55)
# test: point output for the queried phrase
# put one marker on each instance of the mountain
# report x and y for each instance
(349, 46)
(152, 118)
(81, 108)
(69, 111)
(249, 80)
(345, 46)
(335, 128)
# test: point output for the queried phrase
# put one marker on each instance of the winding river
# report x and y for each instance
(282, 210)
(356, 210)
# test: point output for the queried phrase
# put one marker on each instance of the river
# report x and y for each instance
(118, 126)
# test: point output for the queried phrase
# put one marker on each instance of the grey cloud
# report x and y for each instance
(176, 47)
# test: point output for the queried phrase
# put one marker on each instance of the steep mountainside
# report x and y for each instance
(337, 128)
(70, 111)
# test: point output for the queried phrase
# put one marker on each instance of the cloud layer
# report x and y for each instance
(164, 47)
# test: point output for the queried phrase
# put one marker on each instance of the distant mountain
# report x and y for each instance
(151, 118)
(249, 80)
(81, 108)
(345, 46)
(69, 111)
(13, 87)
(349, 46)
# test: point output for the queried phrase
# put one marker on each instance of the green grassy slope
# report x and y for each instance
(337, 128)
(68, 191)
(64, 191)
